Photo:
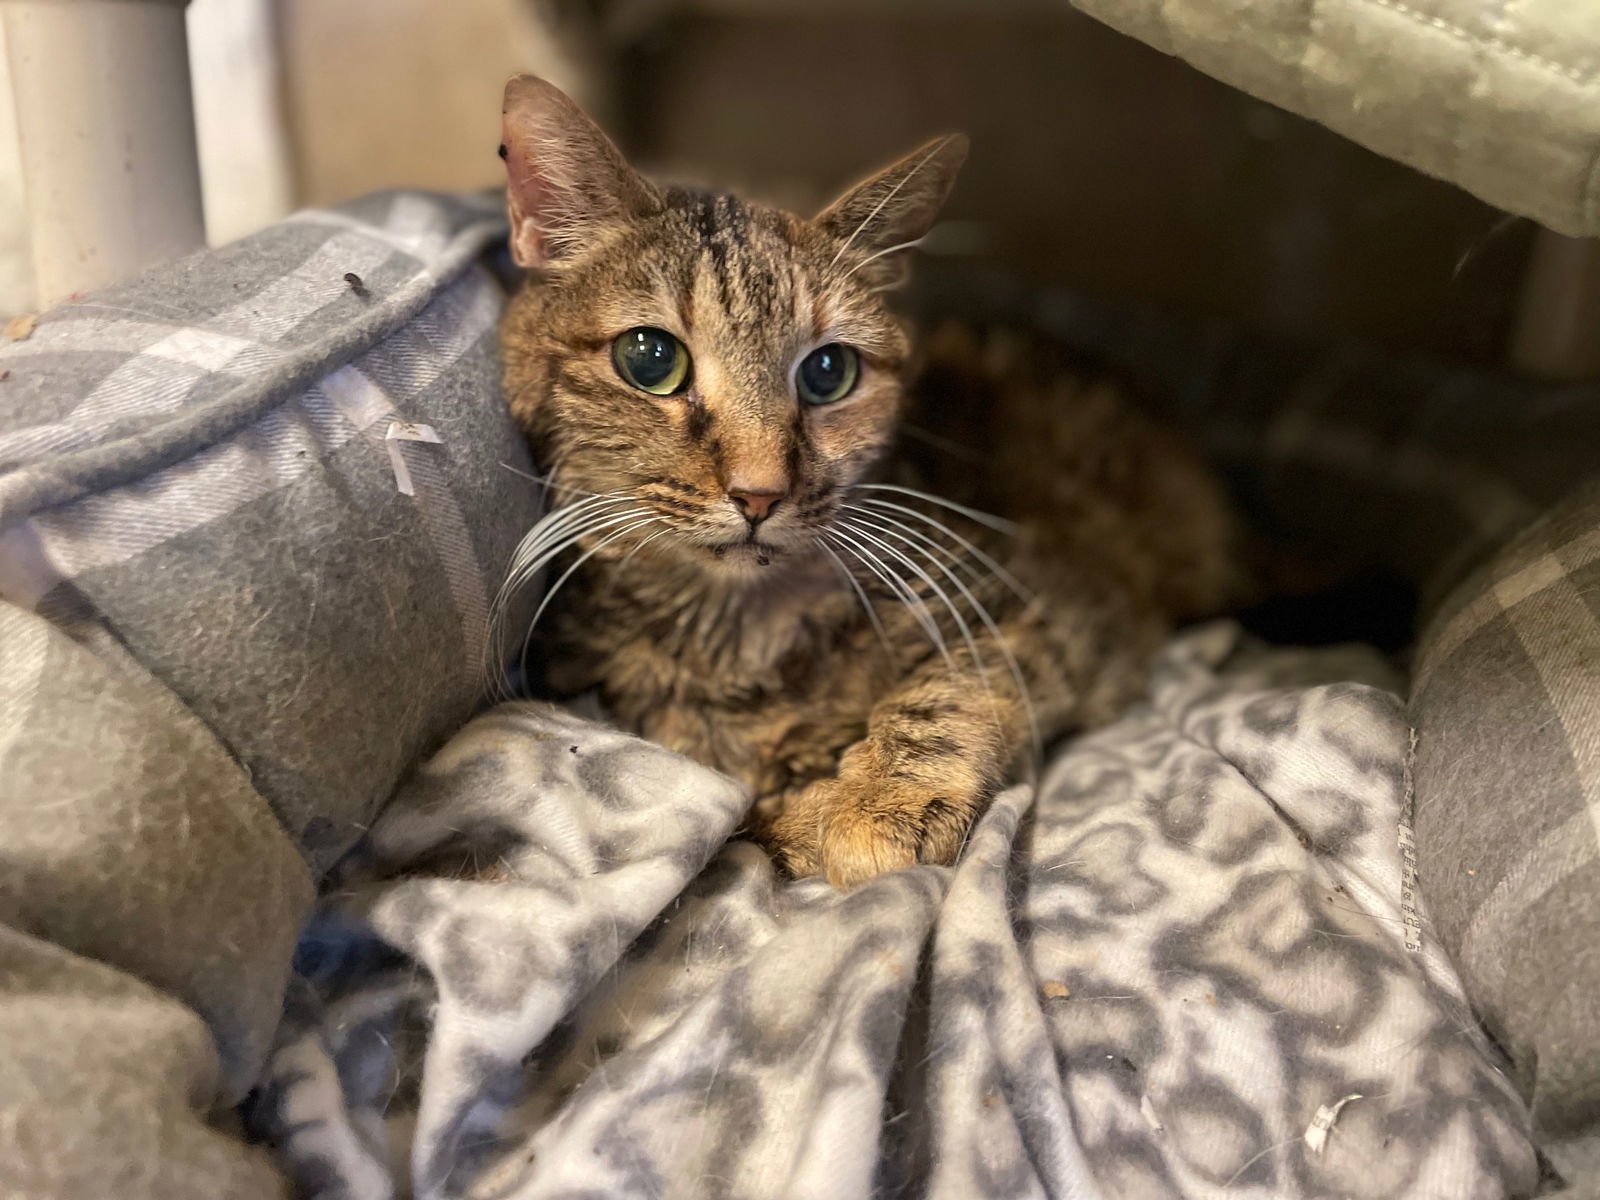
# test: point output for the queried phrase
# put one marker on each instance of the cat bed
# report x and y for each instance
(240, 602)
(1497, 97)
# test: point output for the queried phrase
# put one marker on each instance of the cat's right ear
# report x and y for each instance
(565, 181)
(883, 217)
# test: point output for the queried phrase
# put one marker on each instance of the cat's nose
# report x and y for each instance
(754, 502)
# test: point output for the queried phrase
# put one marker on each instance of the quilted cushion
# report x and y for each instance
(1498, 96)
(197, 471)
(1506, 702)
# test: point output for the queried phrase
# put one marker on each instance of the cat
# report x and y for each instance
(865, 582)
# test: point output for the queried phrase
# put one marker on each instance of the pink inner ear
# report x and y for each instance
(527, 199)
(565, 180)
(528, 244)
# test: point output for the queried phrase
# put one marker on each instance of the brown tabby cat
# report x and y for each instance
(714, 389)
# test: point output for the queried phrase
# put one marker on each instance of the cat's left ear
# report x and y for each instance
(883, 217)
(565, 181)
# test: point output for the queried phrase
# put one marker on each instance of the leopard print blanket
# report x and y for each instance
(1185, 965)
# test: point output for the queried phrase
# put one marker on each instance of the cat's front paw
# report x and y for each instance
(788, 826)
(865, 837)
(855, 827)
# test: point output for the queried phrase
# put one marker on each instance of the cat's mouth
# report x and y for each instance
(747, 551)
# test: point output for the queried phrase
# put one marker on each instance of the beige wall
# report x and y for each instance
(389, 93)
(16, 267)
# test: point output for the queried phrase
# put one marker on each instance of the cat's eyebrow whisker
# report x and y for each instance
(890, 195)
(903, 591)
(861, 595)
(1000, 573)
(998, 524)
(880, 253)
(988, 620)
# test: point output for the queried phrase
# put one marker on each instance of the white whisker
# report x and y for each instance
(955, 613)
(1000, 573)
(989, 623)
(551, 535)
(881, 253)
(866, 603)
(550, 592)
(914, 603)
(944, 551)
(998, 524)
(892, 193)
(595, 523)
(658, 533)
(554, 525)
(546, 481)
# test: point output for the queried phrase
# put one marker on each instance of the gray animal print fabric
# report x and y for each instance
(1180, 966)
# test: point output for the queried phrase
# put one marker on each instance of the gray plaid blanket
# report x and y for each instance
(1180, 969)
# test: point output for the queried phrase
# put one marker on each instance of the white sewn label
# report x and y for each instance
(407, 431)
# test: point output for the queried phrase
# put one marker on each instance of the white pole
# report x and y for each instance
(245, 167)
(105, 124)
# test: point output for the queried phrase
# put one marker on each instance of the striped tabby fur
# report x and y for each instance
(871, 662)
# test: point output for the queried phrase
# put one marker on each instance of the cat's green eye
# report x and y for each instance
(827, 374)
(652, 360)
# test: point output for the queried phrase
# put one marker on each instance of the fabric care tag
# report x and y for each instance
(1316, 1134)
(406, 431)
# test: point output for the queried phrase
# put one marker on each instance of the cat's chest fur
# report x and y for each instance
(765, 683)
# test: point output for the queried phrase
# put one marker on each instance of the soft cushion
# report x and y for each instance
(197, 466)
(149, 905)
(1506, 704)
(1496, 96)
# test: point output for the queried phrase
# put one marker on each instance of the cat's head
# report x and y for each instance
(725, 369)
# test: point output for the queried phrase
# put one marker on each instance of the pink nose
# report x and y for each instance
(755, 503)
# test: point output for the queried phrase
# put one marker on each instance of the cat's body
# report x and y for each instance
(758, 593)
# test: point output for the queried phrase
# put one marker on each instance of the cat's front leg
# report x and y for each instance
(936, 751)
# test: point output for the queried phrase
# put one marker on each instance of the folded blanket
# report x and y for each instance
(1187, 968)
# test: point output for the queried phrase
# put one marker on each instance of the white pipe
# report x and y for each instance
(245, 166)
(105, 123)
